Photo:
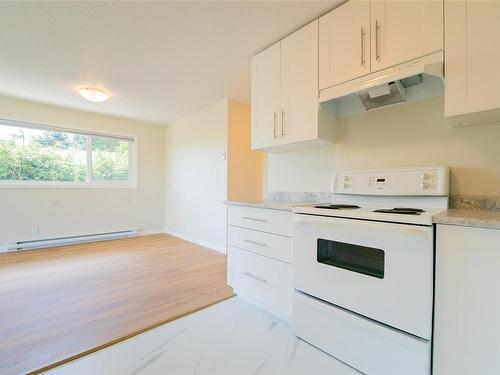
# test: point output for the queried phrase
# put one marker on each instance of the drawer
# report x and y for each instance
(366, 345)
(271, 221)
(264, 282)
(270, 245)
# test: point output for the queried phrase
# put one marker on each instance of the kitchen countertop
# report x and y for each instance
(269, 204)
(469, 218)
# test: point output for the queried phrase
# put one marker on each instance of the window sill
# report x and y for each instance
(32, 185)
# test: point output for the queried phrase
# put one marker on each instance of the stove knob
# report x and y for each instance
(346, 185)
(424, 176)
(424, 185)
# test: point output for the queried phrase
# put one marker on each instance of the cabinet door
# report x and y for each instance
(299, 85)
(402, 30)
(472, 55)
(344, 43)
(467, 301)
(266, 106)
(483, 55)
(455, 58)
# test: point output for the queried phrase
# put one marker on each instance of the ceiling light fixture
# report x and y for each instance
(94, 94)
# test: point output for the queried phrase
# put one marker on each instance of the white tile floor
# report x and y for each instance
(232, 337)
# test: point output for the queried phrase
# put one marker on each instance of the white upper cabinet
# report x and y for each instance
(402, 30)
(472, 62)
(285, 95)
(299, 85)
(344, 43)
(362, 37)
(266, 91)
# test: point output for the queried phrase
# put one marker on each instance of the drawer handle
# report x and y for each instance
(255, 277)
(255, 243)
(254, 219)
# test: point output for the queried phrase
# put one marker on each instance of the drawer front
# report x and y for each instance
(271, 245)
(265, 282)
(367, 346)
(271, 221)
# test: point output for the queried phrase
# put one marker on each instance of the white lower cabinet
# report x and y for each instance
(267, 244)
(467, 301)
(259, 257)
(261, 219)
(264, 281)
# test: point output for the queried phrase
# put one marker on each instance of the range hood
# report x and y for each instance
(411, 81)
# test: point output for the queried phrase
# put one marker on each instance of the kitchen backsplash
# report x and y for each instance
(286, 196)
(474, 202)
(298, 196)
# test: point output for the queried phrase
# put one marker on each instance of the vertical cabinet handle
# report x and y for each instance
(362, 46)
(282, 123)
(377, 40)
(274, 125)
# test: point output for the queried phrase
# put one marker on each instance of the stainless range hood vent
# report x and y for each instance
(415, 80)
(390, 93)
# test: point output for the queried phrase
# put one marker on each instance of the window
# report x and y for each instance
(36, 155)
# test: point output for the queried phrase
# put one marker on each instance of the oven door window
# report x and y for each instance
(361, 259)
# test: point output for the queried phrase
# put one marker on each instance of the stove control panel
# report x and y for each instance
(408, 181)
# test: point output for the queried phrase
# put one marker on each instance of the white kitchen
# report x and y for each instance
(243, 187)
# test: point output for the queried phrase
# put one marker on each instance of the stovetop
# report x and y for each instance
(400, 195)
(408, 215)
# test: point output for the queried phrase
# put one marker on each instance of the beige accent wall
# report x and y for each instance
(196, 177)
(244, 166)
(414, 134)
(73, 211)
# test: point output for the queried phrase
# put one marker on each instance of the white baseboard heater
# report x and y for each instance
(60, 241)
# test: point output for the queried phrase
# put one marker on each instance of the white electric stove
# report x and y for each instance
(364, 266)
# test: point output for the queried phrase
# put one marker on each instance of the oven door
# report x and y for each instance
(383, 271)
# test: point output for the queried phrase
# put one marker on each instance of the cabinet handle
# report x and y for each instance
(255, 277)
(274, 125)
(362, 46)
(377, 41)
(282, 123)
(254, 219)
(255, 243)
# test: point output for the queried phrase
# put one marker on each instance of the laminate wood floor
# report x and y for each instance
(61, 303)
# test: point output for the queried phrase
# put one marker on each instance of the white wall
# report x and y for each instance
(65, 212)
(309, 169)
(414, 134)
(196, 177)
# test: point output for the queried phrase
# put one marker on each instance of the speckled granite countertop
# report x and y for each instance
(469, 218)
(269, 204)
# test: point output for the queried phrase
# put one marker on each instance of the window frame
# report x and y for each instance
(131, 183)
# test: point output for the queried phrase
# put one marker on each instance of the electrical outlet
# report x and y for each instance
(35, 229)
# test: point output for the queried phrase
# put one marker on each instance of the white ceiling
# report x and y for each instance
(160, 60)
